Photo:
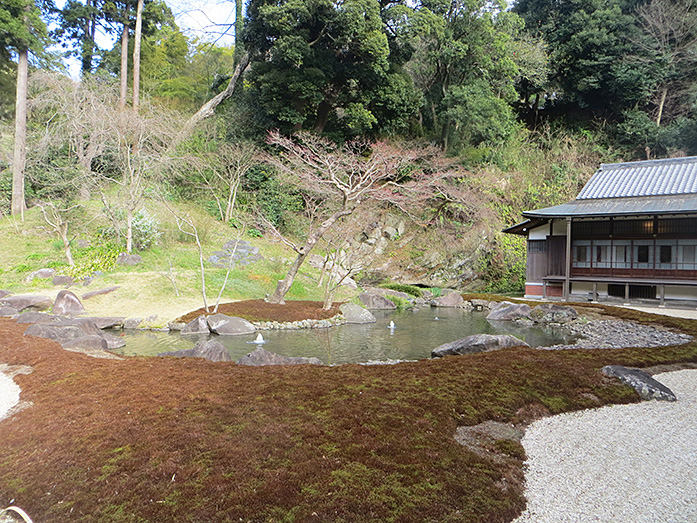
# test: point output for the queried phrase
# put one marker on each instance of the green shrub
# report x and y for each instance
(21, 268)
(412, 290)
(146, 230)
(401, 303)
(99, 257)
(36, 256)
(503, 266)
(56, 264)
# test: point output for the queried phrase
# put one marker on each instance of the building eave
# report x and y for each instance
(678, 204)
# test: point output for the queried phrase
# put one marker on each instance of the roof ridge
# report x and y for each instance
(640, 163)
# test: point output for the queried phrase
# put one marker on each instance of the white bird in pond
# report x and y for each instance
(436, 318)
(392, 325)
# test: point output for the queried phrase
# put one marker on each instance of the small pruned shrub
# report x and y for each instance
(146, 230)
(412, 290)
(254, 233)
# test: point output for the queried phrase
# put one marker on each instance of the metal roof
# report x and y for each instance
(648, 178)
(647, 205)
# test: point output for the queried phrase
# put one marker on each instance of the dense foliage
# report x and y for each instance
(528, 100)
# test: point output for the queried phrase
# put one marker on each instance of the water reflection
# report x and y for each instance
(396, 336)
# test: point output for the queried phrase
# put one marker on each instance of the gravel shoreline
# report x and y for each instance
(617, 463)
(618, 334)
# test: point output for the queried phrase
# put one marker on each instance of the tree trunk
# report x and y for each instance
(208, 109)
(123, 91)
(88, 42)
(661, 105)
(284, 285)
(239, 24)
(136, 56)
(129, 230)
(322, 116)
(20, 146)
(63, 232)
(232, 198)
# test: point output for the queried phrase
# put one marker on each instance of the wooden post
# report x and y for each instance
(567, 276)
(595, 292)
(626, 293)
(663, 295)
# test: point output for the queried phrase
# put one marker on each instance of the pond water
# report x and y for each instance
(414, 335)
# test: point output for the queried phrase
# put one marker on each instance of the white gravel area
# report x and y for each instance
(9, 394)
(625, 463)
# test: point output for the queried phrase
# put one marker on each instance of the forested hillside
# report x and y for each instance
(433, 123)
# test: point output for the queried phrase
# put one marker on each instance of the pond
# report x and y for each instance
(415, 334)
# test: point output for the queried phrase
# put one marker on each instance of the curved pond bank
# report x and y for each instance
(414, 335)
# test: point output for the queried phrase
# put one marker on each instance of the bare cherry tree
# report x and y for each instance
(58, 218)
(346, 177)
(220, 171)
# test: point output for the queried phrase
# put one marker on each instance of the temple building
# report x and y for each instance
(631, 233)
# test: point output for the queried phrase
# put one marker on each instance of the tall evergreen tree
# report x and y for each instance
(21, 30)
(589, 41)
(320, 64)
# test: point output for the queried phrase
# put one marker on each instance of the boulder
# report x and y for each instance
(8, 312)
(176, 325)
(113, 342)
(39, 317)
(128, 259)
(477, 343)
(4, 293)
(132, 323)
(480, 305)
(58, 328)
(197, 326)
(647, 387)
(107, 322)
(356, 314)
(59, 280)
(211, 350)
(452, 299)
(67, 304)
(552, 313)
(99, 292)
(260, 357)
(375, 301)
(509, 311)
(42, 274)
(92, 341)
(388, 292)
(228, 325)
(391, 233)
(27, 301)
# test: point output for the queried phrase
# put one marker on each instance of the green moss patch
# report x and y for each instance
(150, 439)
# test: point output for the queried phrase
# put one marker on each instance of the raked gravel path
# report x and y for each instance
(625, 463)
(9, 394)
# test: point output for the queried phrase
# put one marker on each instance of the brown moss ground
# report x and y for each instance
(150, 439)
(259, 310)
